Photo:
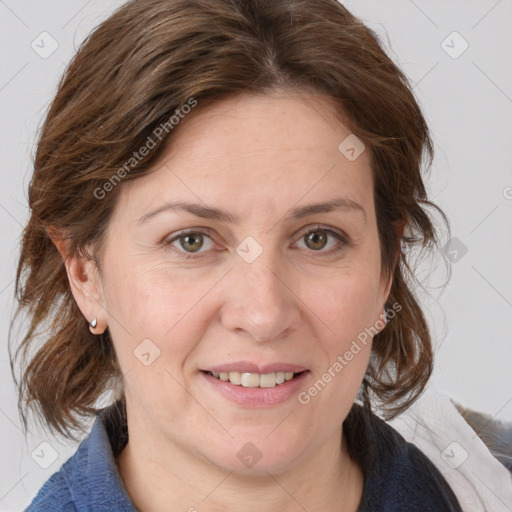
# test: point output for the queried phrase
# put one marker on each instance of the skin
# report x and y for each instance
(256, 157)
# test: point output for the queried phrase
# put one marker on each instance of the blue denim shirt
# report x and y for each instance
(89, 480)
(398, 476)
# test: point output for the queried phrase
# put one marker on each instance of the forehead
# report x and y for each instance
(282, 125)
(256, 152)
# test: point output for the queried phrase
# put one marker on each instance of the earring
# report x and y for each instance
(93, 323)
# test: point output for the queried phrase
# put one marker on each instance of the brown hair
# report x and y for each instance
(128, 77)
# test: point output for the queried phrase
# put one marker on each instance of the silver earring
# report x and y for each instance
(93, 323)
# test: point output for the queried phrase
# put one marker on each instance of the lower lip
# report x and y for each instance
(257, 397)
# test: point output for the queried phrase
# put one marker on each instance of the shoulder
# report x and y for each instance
(89, 479)
(398, 476)
(55, 495)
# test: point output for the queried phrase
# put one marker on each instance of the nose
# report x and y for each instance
(259, 302)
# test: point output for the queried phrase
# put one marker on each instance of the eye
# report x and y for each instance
(317, 239)
(190, 242)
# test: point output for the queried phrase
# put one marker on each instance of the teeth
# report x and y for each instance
(268, 380)
(250, 380)
(254, 380)
(235, 378)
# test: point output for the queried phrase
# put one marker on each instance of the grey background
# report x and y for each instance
(468, 103)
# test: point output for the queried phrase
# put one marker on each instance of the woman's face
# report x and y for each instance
(267, 283)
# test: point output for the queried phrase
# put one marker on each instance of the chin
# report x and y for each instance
(257, 456)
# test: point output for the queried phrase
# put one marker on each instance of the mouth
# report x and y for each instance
(256, 386)
(255, 380)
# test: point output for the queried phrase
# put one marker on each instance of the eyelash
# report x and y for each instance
(343, 241)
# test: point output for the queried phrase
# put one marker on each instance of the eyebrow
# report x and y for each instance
(207, 212)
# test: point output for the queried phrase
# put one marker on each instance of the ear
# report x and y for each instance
(84, 280)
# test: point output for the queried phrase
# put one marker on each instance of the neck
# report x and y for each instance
(162, 476)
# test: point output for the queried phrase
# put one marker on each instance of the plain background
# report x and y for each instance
(467, 100)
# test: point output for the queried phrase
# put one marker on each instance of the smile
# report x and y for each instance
(263, 386)
(254, 380)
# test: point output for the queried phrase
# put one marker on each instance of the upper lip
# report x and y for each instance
(246, 367)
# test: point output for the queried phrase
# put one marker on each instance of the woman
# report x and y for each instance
(224, 197)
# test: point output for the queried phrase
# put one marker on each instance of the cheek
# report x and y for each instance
(346, 312)
(137, 300)
(347, 305)
(146, 301)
